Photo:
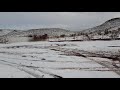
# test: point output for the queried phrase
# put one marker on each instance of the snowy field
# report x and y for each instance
(60, 59)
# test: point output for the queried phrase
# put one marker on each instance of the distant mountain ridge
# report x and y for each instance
(41, 31)
(108, 30)
(49, 31)
(18, 34)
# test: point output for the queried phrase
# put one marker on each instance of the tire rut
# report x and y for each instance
(85, 54)
(30, 71)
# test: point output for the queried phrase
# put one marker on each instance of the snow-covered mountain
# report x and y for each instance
(112, 24)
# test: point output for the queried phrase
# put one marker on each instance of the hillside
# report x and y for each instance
(50, 31)
(110, 24)
(5, 31)
(109, 29)
(18, 35)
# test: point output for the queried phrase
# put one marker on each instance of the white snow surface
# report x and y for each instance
(37, 60)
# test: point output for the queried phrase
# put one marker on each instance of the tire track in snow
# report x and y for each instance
(31, 71)
(20, 68)
(84, 54)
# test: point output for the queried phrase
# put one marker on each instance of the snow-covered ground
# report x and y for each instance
(57, 59)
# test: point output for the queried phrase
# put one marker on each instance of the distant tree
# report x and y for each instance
(63, 35)
(114, 35)
(73, 35)
(56, 37)
(39, 37)
(80, 33)
(118, 29)
(106, 32)
(110, 32)
(99, 33)
(15, 30)
(89, 38)
(44, 37)
(35, 38)
(30, 36)
(90, 32)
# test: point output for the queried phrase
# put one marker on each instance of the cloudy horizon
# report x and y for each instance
(66, 20)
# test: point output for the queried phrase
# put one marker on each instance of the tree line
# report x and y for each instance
(39, 37)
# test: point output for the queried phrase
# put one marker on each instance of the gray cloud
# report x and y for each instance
(68, 20)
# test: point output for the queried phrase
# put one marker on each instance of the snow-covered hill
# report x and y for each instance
(5, 31)
(18, 35)
(110, 29)
(50, 31)
(110, 24)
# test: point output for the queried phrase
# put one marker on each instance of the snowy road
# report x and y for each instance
(58, 60)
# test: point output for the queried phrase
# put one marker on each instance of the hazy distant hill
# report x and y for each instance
(49, 31)
(42, 31)
(5, 31)
(17, 34)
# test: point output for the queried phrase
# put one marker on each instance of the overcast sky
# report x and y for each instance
(66, 20)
